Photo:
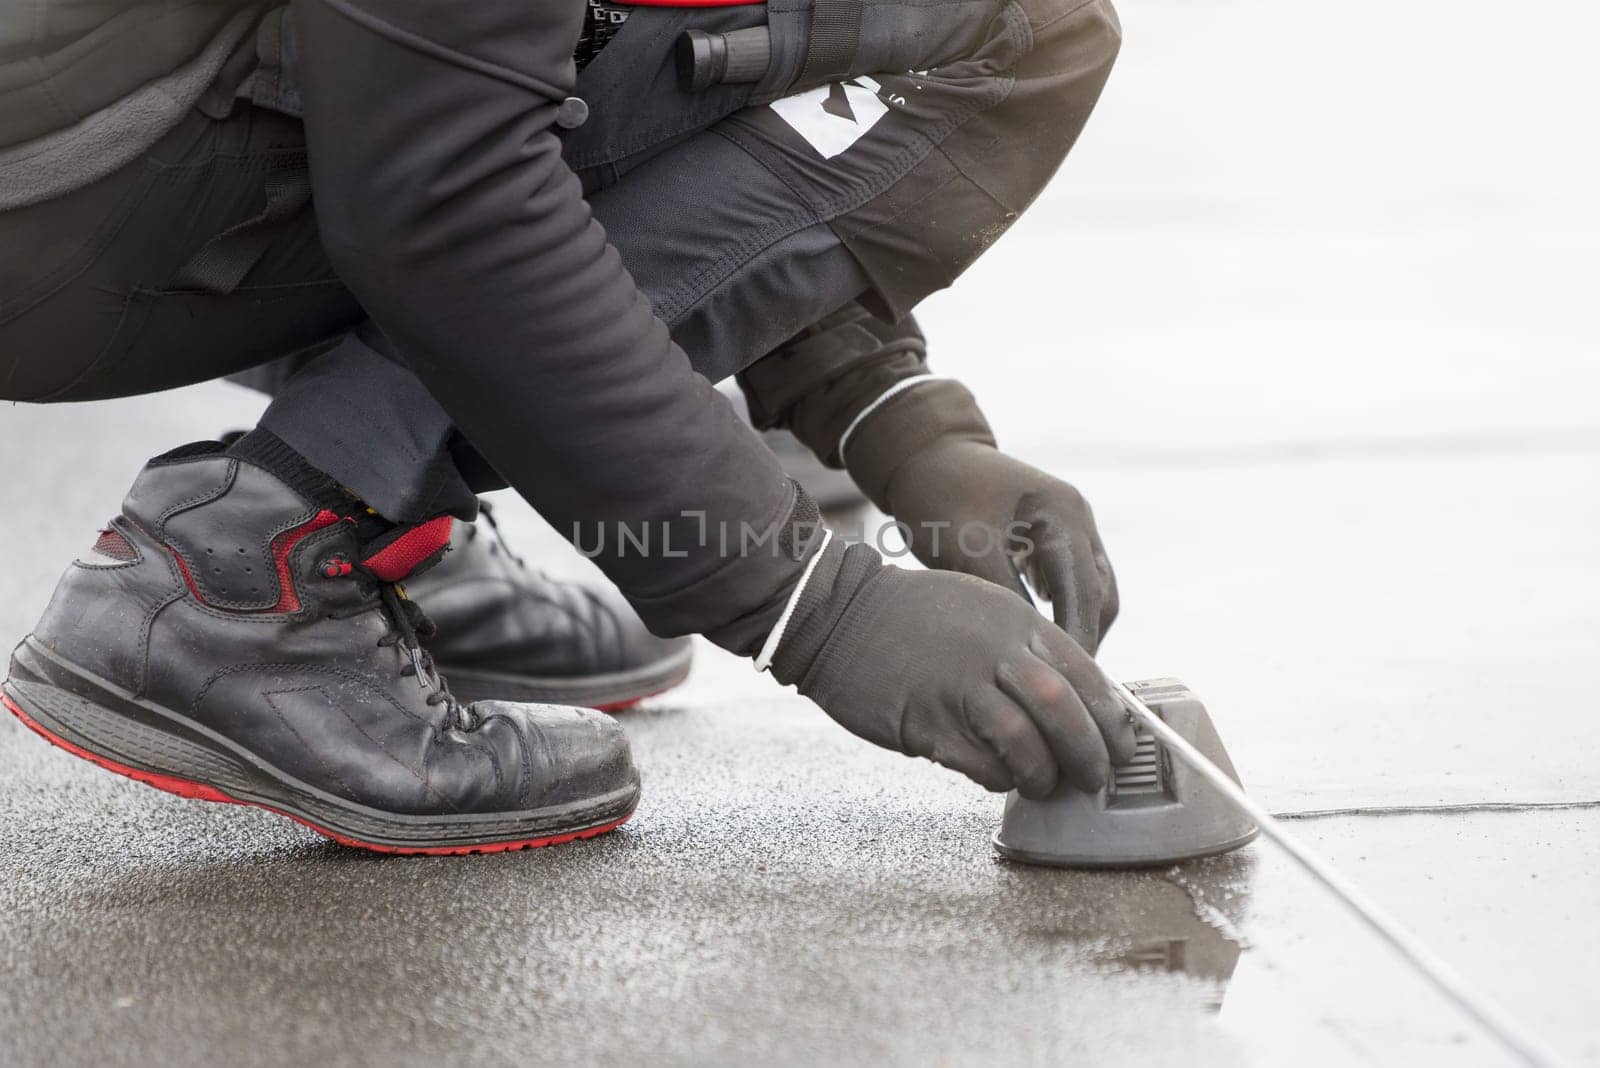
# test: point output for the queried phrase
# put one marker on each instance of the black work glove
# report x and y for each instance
(927, 458)
(947, 667)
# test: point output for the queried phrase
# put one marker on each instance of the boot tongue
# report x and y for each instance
(407, 550)
(390, 552)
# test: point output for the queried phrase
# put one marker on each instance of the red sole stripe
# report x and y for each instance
(629, 702)
(200, 792)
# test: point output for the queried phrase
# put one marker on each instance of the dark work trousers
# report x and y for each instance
(445, 352)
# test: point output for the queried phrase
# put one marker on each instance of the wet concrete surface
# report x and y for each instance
(785, 896)
(1323, 364)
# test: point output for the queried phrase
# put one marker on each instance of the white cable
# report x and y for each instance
(893, 391)
(1511, 1033)
(769, 649)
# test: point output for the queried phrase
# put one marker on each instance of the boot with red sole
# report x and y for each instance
(231, 639)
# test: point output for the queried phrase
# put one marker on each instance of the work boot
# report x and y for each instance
(507, 632)
(231, 638)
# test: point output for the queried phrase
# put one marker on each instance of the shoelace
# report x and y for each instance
(407, 621)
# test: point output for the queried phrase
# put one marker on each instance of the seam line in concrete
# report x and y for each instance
(1430, 810)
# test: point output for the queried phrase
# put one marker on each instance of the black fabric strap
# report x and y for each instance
(224, 261)
(835, 33)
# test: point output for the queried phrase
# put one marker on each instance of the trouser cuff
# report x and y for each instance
(368, 423)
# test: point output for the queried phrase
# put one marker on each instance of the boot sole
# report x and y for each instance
(611, 692)
(91, 718)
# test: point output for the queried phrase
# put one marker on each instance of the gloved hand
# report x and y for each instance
(954, 486)
(928, 460)
(947, 667)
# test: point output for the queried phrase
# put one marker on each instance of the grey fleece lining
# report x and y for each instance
(114, 136)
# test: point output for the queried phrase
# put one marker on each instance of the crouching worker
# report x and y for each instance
(501, 243)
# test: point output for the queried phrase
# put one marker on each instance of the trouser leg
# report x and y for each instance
(885, 186)
(366, 421)
(92, 298)
(96, 301)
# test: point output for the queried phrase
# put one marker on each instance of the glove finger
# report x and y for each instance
(1013, 737)
(1060, 717)
(1108, 577)
(1067, 556)
(984, 768)
(1075, 590)
(1100, 701)
(1096, 546)
(1110, 602)
(1113, 601)
(950, 742)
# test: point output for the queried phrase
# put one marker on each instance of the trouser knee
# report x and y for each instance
(1059, 78)
(1082, 34)
(1004, 116)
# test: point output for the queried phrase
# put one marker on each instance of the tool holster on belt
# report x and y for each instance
(707, 59)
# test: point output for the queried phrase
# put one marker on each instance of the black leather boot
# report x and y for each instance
(507, 632)
(229, 639)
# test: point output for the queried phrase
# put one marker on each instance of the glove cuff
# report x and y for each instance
(796, 540)
(840, 573)
(904, 425)
(815, 384)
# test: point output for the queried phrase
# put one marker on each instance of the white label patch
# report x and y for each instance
(833, 117)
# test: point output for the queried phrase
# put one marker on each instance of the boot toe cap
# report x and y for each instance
(572, 755)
